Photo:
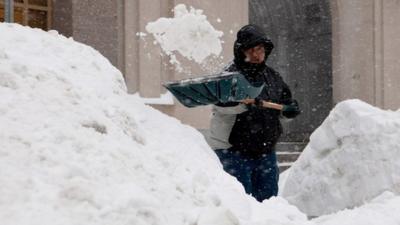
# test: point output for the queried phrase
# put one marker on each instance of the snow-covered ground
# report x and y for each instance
(75, 148)
(383, 210)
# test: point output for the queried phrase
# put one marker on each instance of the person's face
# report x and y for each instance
(255, 54)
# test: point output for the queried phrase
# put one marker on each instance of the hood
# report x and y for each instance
(247, 37)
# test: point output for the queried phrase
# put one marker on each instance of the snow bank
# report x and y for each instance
(188, 33)
(75, 148)
(383, 210)
(351, 158)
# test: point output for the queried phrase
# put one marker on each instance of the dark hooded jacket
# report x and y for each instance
(257, 130)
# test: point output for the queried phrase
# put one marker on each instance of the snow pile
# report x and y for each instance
(75, 148)
(188, 33)
(383, 210)
(352, 158)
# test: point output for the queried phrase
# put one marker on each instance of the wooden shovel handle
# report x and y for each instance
(272, 105)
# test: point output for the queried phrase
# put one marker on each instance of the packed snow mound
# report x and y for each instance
(351, 158)
(189, 33)
(383, 210)
(75, 148)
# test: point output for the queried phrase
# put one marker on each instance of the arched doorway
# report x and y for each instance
(301, 32)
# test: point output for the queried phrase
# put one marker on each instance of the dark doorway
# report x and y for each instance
(301, 32)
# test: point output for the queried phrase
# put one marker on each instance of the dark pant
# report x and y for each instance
(259, 176)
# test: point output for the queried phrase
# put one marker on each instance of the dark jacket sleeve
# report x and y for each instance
(291, 107)
(227, 104)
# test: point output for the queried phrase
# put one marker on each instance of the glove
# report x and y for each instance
(291, 110)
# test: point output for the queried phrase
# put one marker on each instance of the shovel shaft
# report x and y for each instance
(272, 105)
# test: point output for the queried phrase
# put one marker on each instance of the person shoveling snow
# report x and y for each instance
(244, 130)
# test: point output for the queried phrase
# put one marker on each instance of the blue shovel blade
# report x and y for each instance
(224, 87)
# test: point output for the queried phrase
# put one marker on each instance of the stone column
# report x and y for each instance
(366, 51)
(62, 17)
(391, 53)
(97, 23)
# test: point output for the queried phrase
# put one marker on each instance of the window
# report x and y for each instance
(34, 13)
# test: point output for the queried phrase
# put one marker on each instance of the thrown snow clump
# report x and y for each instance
(75, 148)
(189, 33)
(353, 157)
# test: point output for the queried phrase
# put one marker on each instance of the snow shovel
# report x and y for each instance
(212, 89)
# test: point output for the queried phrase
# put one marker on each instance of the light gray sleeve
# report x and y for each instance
(230, 110)
(222, 121)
